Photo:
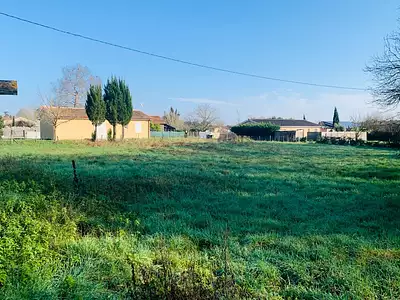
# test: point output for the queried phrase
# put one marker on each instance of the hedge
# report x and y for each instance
(264, 129)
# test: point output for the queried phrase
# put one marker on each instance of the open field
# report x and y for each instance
(186, 220)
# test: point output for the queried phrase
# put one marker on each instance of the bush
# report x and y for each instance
(303, 140)
(109, 135)
(33, 225)
(261, 130)
(342, 141)
(93, 136)
(384, 136)
(155, 127)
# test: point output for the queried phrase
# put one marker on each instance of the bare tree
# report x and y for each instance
(74, 84)
(202, 118)
(27, 113)
(381, 123)
(373, 122)
(57, 107)
(385, 70)
(53, 111)
(358, 125)
(172, 117)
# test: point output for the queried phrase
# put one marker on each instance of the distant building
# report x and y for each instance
(74, 124)
(294, 129)
(164, 125)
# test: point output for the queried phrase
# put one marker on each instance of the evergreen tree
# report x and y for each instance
(13, 121)
(336, 120)
(125, 108)
(95, 107)
(112, 99)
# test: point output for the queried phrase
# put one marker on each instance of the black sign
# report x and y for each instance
(8, 87)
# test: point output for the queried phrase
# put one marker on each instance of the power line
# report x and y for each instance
(178, 60)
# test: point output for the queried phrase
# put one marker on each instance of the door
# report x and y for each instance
(101, 133)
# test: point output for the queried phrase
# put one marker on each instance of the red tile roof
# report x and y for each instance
(78, 113)
(157, 120)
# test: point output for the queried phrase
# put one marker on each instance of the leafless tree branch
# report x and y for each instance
(202, 118)
(74, 84)
(385, 71)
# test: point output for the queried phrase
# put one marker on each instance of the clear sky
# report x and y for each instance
(325, 42)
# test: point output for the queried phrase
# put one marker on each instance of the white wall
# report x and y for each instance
(345, 134)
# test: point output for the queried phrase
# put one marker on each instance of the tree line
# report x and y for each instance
(115, 105)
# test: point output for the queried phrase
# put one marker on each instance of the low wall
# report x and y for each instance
(337, 134)
(21, 133)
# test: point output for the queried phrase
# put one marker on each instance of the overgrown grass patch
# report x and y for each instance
(182, 219)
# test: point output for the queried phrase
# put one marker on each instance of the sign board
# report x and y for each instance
(8, 87)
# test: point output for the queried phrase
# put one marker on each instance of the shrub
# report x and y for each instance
(93, 136)
(32, 226)
(384, 136)
(109, 135)
(261, 130)
(155, 127)
(303, 140)
(342, 141)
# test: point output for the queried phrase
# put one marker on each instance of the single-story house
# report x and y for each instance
(297, 128)
(164, 125)
(74, 124)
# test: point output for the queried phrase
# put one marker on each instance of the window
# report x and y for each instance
(138, 127)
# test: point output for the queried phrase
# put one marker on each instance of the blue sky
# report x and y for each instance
(325, 42)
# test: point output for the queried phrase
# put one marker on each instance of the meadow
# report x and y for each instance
(182, 219)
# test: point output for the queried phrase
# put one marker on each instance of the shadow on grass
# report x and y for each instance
(199, 196)
(304, 222)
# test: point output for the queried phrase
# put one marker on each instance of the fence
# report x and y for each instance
(167, 134)
(21, 133)
(338, 134)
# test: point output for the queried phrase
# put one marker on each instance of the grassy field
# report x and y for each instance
(191, 220)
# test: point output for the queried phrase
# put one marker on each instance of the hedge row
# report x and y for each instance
(264, 129)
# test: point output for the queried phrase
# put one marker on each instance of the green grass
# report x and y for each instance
(190, 220)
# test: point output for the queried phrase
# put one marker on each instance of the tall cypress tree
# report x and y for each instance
(112, 99)
(95, 106)
(125, 106)
(336, 120)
